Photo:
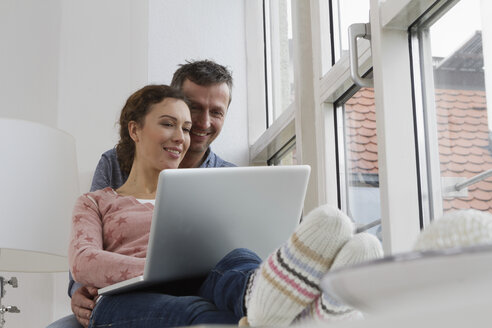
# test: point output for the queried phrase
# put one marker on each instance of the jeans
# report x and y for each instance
(66, 322)
(219, 300)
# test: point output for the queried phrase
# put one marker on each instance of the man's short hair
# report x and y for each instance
(204, 73)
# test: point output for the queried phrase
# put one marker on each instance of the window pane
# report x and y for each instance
(461, 111)
(280, 72)
(289, 158)
(361, 160)
(286, 155)
(348, 12)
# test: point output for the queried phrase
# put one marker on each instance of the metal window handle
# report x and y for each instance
(364, 227)
(359, 30)
(473, 180)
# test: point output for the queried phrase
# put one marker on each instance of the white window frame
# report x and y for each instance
(313, 112)
(397, 158)
(256, 95)
(397, 161)
(428, 127)
(304, 113)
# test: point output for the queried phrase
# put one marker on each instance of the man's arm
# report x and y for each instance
(103, 172)
(72, 285)
(83, 302)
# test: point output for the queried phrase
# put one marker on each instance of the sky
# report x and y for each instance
(451, 31)
(455, 28)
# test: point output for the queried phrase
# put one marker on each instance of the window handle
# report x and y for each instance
(473, 180)
(364, 227)
(356, 31)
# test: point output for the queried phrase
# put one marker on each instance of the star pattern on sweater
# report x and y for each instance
(103, 224)
(124, 274)
(121, 221)
(109, 279)
(120, 239)
(91, 257)
(109, 234)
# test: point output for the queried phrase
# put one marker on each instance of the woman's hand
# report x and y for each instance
(83, 302)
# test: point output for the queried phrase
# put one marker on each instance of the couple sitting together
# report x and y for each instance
(164, 127)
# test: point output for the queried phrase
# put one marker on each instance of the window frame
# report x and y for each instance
(420, 40)
(314, 116)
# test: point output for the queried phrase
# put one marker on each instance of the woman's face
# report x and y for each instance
(163, 139)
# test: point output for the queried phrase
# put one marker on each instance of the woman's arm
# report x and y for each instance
(89, 263)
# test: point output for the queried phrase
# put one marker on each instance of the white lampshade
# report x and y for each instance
(38, 188)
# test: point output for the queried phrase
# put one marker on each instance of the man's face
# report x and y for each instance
(208, 110)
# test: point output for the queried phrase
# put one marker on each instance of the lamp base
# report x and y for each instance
(3, 309)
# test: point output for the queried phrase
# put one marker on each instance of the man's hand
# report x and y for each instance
(83, 302)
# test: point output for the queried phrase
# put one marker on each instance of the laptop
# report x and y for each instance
(200, 215)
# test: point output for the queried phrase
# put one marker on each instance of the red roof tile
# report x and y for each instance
(356, 147)
(372, 147)
(462, 135)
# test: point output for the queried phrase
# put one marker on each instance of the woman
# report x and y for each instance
(111, 228)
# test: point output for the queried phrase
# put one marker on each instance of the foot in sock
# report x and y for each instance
(361, 248)
(288, 280)
(461, 228)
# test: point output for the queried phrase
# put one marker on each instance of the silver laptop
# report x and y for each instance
(202, 214)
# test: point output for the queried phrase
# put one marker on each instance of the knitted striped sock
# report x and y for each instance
(362, 247)
(326, 309)
(287, 281)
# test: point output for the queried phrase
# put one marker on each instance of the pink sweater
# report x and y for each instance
(109, 238)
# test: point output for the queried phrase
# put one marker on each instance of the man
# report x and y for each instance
(208, 86)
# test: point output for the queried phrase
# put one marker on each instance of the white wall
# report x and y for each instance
(103, 59)
(29, 56)
(197, 29)
(29, 35)
(71, 64)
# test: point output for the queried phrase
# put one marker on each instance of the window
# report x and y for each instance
(345, 13)
(360, 190)
(286, 155)
(353, 110)
(453, 73)
(394, 190)
(422, 93)
(279, 57)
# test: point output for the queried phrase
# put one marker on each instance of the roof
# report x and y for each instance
(360, 132)
(467, 57)
(463, 135)
(462, 69)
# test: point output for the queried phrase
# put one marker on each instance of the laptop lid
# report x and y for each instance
(202, 214)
